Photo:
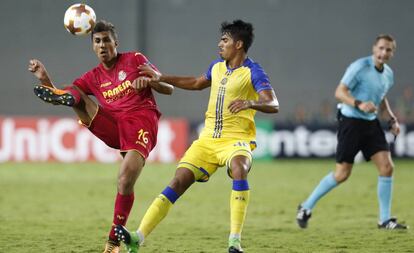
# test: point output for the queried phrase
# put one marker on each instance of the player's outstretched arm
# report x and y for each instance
(40, 72)
(144, 82)
(162, 88)
(267, 103)
(183, 82)
(187, 82)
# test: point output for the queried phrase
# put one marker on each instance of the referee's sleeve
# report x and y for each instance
(350, 76)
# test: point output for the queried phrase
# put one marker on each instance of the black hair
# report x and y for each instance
(239, 30)
(104, 26)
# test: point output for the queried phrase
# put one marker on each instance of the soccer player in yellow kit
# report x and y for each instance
(239, 88)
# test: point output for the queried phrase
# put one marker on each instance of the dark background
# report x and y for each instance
(304, 46)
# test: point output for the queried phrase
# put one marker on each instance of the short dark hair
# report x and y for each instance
(239, 30)
(386, 37)
(104, 26)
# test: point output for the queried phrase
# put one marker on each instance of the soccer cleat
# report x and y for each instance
(234, 250)
(54, 96)
(130, 239)
(392, 224)
(302, 216)
(111, 247)
(234, 246)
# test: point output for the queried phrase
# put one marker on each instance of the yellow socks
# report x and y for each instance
(239, 201)
(157, 211)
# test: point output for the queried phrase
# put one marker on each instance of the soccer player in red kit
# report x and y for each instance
(126, 117)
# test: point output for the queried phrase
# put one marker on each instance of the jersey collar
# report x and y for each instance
(245, 62)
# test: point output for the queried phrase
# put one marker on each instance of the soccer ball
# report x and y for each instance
(79, 19)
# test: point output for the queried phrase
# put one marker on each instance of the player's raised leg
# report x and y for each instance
(46, 91)
(329, 182)
(239, 200)
(158, 210)
(84, 107)
(72, 96)
(385, 168)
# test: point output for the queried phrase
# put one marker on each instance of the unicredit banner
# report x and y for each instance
(31, 139)
(318, 141)
(64, 140)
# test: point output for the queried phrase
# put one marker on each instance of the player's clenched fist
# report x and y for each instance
(141, 83)
(37, 68)
(368, 107)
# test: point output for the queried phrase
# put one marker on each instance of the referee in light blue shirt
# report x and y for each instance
(362, 91)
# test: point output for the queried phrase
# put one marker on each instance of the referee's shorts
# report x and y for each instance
(356, 135)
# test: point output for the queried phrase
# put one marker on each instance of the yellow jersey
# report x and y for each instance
(244, 82)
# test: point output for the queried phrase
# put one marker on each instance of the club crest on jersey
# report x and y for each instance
(223, 81)
(121, 75)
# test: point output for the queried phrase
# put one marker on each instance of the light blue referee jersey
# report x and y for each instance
(366, 83)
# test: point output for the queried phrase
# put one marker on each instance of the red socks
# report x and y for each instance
(123, 205)
(75, 93)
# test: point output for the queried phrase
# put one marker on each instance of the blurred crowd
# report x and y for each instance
(401, 104)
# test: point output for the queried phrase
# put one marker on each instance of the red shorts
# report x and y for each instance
(133, 131)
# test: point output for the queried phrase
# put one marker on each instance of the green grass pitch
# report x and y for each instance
(55, 207)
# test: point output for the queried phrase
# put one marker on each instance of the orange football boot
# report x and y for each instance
(112, 247)
(54, 96)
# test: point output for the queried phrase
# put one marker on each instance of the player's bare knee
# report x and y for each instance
(128, 174)
(342, 172)
(175, 184)
(239, 173)
(86, 108)
(387, 170)
(239, 167)
(126, 182)
(179, 185)
(182, 180)
(125, 185)
(342, 175)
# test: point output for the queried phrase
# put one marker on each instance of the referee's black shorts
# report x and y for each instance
(358, 134)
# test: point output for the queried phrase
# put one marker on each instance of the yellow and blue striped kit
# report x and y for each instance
(227, 85)
(226, 135)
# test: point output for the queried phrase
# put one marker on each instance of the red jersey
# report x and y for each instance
(113, 89)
